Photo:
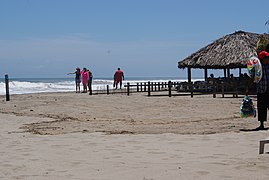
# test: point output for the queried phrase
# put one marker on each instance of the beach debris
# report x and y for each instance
(247, 108)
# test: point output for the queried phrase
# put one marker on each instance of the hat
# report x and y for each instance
(263, 54)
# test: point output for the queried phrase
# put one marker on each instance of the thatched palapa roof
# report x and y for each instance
(230, 51)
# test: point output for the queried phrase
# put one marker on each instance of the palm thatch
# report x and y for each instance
(230, 51)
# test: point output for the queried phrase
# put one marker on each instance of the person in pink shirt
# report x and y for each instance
(85, 78)
(118, 77)
(90, 81)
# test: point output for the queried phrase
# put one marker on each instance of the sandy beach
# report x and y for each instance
(119, 137)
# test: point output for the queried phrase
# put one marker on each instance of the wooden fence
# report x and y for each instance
(185, 88)
(178, 89)
(170, 88)
(150, 87)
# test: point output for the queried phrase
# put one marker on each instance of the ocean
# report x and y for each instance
(42, 85)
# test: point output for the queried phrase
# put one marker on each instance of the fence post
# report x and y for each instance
(107, 89)
(7, 88)
(170, 88)
(149, 88)
(145, 87)
(128, 89)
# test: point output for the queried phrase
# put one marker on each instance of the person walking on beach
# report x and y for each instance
(77, 79)
(263, 89)
(118, 77)
(90, 82)
(85, 78)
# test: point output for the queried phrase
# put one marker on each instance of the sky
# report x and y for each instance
(145, 38)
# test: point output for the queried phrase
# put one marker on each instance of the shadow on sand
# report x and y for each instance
(256, 129)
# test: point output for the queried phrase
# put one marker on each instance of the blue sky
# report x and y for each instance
(49, 38)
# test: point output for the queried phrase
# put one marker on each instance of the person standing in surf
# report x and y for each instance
(77, 79)
(85, 78)
(90, 82)
(118, 77)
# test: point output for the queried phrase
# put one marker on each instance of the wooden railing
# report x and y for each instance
(185, 88)
(171, 88)
(179, 88)
(150, 87)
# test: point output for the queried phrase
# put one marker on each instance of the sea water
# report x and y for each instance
(42, 85)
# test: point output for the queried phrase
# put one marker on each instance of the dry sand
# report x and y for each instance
(107, 137)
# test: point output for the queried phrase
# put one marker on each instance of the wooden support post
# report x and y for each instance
(214, 89)
(159, 87)
(7, 88)
(191, 89)
(205, 74)
(170, 88)
(189, 74)
(149, 88)
(236, 90)
(137, 87)
(222, 90)
(128, 89)
(229, 73)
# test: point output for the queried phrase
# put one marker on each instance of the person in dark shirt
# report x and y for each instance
(90, 82)
(263, 89)
(77, 79)
(118, 77)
